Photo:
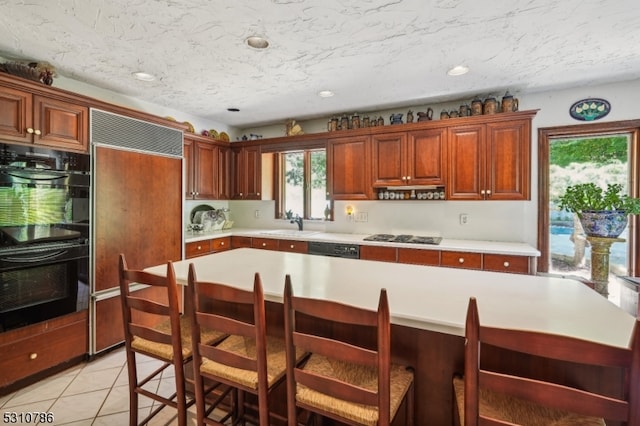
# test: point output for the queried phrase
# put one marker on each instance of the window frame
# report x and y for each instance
(279, 180)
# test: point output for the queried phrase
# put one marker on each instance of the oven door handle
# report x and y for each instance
(35, 259)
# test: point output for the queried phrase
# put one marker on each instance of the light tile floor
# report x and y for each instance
(94, 393)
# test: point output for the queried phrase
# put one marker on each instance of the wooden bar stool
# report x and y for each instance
(156, 330)
(339, 379)
(248, 360)
(488, 397)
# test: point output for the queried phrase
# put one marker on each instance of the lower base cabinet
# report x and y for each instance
(200, 248)
(36, 348)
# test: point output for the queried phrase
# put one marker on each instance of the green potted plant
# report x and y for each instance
(602, 213)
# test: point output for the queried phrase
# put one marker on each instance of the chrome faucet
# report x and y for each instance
(297, 220)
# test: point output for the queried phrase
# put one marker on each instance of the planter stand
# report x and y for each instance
(600, 250)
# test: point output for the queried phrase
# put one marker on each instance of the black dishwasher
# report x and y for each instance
(350, 251)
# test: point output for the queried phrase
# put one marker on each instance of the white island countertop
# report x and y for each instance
(430, 298)
(474, 246)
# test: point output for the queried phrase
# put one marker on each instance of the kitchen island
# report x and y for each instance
(428, 308)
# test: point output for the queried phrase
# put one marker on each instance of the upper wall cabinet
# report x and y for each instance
(349, 168)
(490, 161)
(246, 172)
(35, 119)
(410, 158)
(206, 165)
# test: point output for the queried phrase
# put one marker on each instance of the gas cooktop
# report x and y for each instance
(403, 238)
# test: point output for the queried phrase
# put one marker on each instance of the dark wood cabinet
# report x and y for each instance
(238, 241)
(507, 263)
(293, 246)
(349, 168)
(36, 348)
(380, 253)
(200, 248)
(265, 243)
(409, 158)
(467, 162)
(508, 167)
(206, 169)
(246, 162)
(419, 256)
(40, 120)
(490, 161)
(458, 259)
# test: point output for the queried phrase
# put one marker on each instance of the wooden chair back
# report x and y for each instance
(205, 294)
(625, 408)
(338, 349)
(152, 328)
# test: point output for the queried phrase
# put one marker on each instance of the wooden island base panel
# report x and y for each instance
(428, 307)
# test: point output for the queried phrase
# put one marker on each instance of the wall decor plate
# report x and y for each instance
(590, 109)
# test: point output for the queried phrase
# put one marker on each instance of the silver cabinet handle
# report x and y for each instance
(506, 264)
(461, 260)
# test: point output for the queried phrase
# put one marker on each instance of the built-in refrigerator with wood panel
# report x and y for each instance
(137, 211)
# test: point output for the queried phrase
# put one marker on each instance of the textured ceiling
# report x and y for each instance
(373, 54)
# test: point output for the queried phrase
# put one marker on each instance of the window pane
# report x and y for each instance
(294, 183)
(318, 184)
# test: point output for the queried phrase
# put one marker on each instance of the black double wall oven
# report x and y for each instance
(44, 234)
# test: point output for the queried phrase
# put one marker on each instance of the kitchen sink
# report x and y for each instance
(290, 232)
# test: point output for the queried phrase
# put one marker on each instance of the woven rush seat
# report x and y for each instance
(165, 351)
(518, 411)
(358, 375)
(245, 346)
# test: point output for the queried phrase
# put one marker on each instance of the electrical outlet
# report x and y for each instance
(362, 217)
(464, 218)
(256, 214)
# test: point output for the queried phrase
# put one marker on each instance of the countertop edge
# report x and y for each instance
(475, 246)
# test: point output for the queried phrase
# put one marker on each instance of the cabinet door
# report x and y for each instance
(187, 153)
(349, 168)
(388, 159)
(426, 159)
(264, 243)
(205, 171)
(224, 173)
(15, 115)
(253, 172)
(506, 263)
(383, 254)
(293, 246)
(466, 163)
(197, 248)
(61, 124)
(463, 260)
(246, 164)
(508, 160)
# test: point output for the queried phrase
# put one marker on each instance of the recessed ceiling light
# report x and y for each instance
(458, 70)
(233, 109)
(325, 93)
(144, 76)
(257, 42)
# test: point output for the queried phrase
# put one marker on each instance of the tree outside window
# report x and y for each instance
(304, 183)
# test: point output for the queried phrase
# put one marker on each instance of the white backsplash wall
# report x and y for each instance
(486, 220)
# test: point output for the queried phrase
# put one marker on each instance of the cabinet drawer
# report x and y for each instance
(25, 357)
(384, 254)
(221, 244)
(265, 243)
(240, 242)
(293, 246)
(460, 259)
(419, 257)
(506, 263)
(197, 248)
